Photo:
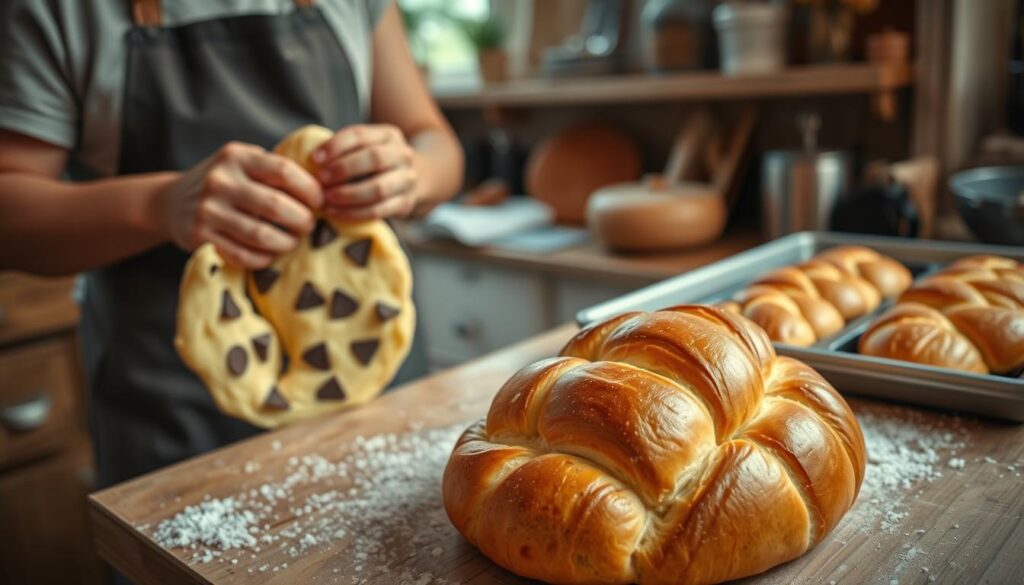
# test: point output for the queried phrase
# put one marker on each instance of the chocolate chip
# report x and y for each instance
(316, 356)
(261, 346)
(331, 390)
(364, 350)
(274, 400)
(237, 360)
(308, 298)
(228, 309)
(322, 234)
(265, 279)
(213, 269)
(386, 312)
(342, 305)
(359, 251)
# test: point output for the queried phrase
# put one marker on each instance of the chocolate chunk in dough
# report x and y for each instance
(265, 279)
(213, 269)
(238, 360)
(331, 390)
(364, 350)
(317, 357)
(386, 312)
(308, 298)
(359, 251)
(228, 309)
(261, 346)
(342, 305)
(275, 401)
(322, 234)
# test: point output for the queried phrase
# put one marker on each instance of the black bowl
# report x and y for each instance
(991, 203)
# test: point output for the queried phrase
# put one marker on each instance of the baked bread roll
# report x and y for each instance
(664, 447)
(801, 304)
(339, 306)
(969, 316)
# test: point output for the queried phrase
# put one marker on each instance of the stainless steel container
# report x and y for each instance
(800, 188)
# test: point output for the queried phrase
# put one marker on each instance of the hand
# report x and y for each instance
(251, 204)
(367, 172)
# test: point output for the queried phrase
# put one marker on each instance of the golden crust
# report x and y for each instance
(798, 305)
(664, 447)
(969, 316)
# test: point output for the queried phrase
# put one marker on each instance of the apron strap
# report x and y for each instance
(148, 13)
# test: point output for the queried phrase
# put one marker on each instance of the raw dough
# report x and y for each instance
(339, 306)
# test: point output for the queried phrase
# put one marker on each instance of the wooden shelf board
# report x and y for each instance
(812, 80)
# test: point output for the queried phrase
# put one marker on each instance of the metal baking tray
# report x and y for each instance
(835, 357)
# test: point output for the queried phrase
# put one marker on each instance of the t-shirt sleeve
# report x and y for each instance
(36, 95)
(375, 8)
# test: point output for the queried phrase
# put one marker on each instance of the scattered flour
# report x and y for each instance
(380, 503)
(905, 450)
(212, 526)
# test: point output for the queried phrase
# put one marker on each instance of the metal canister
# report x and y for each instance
(799, 188)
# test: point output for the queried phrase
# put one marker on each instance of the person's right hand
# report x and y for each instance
(250, 203)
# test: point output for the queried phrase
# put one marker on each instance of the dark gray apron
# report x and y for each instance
(188, 90)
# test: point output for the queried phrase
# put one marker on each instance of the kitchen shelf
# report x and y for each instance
(849, 78)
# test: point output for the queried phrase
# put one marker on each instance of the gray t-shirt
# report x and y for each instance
(62, 64)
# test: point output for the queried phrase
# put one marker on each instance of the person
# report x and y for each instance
(132, 131)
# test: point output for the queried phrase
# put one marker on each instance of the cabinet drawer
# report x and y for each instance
(31, 306)
(467, 309)
(38, 398)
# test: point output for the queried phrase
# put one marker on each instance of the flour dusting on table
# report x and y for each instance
(905, 451)
(379, 505)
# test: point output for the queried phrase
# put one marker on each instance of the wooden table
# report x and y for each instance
(963, 527)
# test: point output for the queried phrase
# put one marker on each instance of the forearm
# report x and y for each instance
(439, 167)
(52, 227)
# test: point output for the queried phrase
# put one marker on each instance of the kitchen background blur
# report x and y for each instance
(609, 144)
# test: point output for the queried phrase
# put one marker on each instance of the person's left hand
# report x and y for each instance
(367, 172)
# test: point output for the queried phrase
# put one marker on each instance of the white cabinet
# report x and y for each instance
(468, 308)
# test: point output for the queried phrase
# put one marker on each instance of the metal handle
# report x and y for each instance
(29, 415)
(468, 330)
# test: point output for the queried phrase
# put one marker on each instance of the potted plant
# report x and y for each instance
(830, 22)
(488, 37)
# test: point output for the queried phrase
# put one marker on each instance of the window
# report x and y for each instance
(436, 36)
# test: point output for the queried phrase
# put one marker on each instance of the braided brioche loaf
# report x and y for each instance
(801, 304)
(664, 447)
(969, 316)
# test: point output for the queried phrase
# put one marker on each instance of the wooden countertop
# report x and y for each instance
(957, 518)
(592, 260)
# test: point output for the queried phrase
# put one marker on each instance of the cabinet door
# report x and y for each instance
(574, 295)
(40, 408)
(467, 309)
(44, 529)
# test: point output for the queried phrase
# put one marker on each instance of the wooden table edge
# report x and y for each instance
(115, 539)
